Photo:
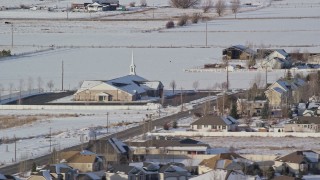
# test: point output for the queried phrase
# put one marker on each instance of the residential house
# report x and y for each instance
(225, 175)
(225, 161)
(238, 52)
(303, 124)
(299, 161)
(57, 171)
(284, 92)
(127, 88)
(167, 147)
(148, 171)
(275, 58)
(172, 172)
(88, 176)
(94, 7)
(84, 161)
(251, 108)
(42, 175)
(132, 172)
(112, 150)
(284, 178)
(215, 123)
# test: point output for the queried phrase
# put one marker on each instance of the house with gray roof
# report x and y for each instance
(284, 90)
(126, 88)
(215, 123)
(299, 161)
(239, 52)
(276, 59)
(303, 124)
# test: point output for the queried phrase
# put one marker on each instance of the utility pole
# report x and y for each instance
(15, 148)
(227, 75)
(62, 74)
(181, 99)
(67, 11)
(206, 33)
(11, 35)
(50, 140)
(266, 76)
(107, 122)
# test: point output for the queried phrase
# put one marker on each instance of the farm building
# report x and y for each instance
(238, 52)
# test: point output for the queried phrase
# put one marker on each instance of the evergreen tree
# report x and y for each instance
(234, 112)
(34, 167)
(265, 111)
(289, 75)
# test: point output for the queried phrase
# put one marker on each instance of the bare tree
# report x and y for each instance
(207, 5)
(50, 85)
(235, 6)
(40, 83)
(173, 85)
(11, 86)
(220, 7)
(184, 4)
(195, 85)
(1, 91)
(143, 3)
(30, 84)
(21, 87)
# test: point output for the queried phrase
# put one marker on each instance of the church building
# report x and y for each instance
(127, 88)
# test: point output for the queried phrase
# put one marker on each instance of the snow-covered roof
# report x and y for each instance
(128, 83)
(118, 145)
(88, 84)
(2, 176)
(282, 52)
(245, 49)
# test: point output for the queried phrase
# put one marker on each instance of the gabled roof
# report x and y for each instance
(169, 143)
(308, 120)
(118, 145)
(244, 49)
(79, 157)
(284, 178)
(215, 120)
(222, 161)
(168, 168)
(296, 157)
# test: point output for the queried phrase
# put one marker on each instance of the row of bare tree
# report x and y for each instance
(29, 86)
(220, 6)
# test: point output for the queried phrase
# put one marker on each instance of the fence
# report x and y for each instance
(236, 134)
(149, 106)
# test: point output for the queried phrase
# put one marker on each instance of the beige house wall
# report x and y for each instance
(35, 177)
(83, 167)
(203, 169)
(93, 95)
(301, 128)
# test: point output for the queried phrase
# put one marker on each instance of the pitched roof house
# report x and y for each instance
(84, 161)
(113, 150)
(238, 52)
(303, 124)
(284, 90)
(225, 161)
(299, 161)
(126, 88)
(167, 147)
(215, 123)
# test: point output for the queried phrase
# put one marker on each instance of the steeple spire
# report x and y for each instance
(132, 67)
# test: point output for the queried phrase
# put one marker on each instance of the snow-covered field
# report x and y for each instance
(102, 50)
(66, 131)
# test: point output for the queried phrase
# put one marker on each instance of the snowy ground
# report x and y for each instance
(104, 48)
(66, 131)
(266, 145)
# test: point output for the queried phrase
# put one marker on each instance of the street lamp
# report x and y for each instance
(11, 32)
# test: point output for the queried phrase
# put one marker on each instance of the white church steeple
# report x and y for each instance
(132, 67)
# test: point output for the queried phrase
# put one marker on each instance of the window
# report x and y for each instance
(205, 126)
(199, 127)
